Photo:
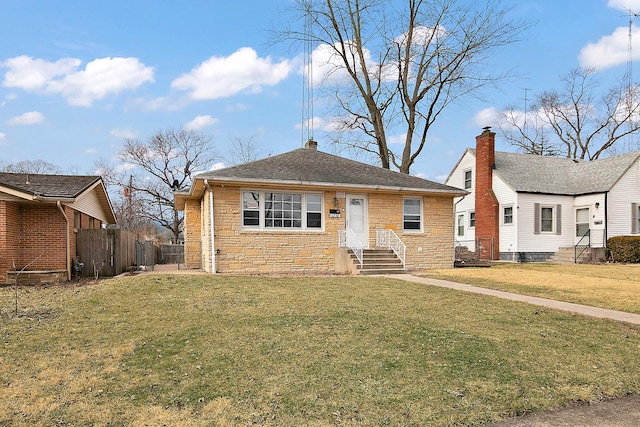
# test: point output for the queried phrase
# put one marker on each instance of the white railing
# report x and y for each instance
(389, 239)
(347, 239)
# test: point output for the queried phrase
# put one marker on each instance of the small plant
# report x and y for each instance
(97, 267)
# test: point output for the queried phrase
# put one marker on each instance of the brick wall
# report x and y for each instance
(42, 239)
(34, 235)
(487, 206)
(9, 232)
(262, 251)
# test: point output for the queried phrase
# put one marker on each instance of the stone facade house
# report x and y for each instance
(306, 211)
(39, 218)
(525, 207)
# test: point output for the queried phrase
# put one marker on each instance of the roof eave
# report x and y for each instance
(262, 182)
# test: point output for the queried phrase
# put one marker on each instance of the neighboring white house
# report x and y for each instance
(525, 207)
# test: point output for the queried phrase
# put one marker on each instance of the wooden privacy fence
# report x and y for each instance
(109, 252)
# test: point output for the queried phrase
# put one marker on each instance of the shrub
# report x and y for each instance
(625, 248)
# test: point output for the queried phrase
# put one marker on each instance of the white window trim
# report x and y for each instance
(474, 219)
(261, 221)
(513, 212)
(420, 230)
(464, 231)
(556, 218)
(464, 179)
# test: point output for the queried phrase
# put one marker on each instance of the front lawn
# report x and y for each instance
(612, 286)
(319, 351)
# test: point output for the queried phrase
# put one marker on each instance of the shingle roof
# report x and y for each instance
(312, 167)
(53, 186)
(551, 175)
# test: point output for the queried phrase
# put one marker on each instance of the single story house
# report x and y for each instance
(39, 217)
(306, 211)
(525, 207)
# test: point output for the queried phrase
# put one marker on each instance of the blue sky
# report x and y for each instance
(76, 77)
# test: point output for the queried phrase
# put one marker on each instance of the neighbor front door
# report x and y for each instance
(356, 218)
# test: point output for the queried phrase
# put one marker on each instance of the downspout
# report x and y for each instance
(213, 245)
(606, 224)
(68, 243)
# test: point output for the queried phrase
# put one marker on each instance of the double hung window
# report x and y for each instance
(412, 214)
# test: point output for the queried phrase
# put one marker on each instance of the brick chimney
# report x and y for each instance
(487, 206)
(311, 144)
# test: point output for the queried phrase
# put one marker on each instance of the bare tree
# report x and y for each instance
(242, 151)
(395, 66)
(577, 121)
(31, 166)
(162, 164)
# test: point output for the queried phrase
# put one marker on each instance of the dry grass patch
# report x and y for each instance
(319, 351)
(613, 286)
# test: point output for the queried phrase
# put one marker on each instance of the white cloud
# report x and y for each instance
(100, 78)
(2, 136)
(399, 139)
(217, 166)
(235, 108)
(30, 118)
(625, 5)
(123, 133)
(487, 117)
(201, 122)
(313, 123)
(610, 50)
(31, 74)
(242, 71)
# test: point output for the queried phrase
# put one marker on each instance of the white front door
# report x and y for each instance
(357, 217)
(582, 226)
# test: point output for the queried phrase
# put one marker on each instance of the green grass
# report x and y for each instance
(205, 350)
(612, 286)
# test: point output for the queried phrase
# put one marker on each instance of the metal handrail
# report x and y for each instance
(575, 248)
(389, 239)
(348, 239)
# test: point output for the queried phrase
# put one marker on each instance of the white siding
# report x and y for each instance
(506, 197)
(89, 203)
(544, 242)
(464, 205)
(625, 192)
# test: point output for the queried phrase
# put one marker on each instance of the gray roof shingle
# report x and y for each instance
(312, 167)
(54, 186)
(531, 173)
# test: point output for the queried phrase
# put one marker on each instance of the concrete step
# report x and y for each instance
(378, 261)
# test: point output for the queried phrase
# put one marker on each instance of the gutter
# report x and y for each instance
(68, 243)
(213, 247)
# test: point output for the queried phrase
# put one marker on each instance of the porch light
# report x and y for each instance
(597, 205)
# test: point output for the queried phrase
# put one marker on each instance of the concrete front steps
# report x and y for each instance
(567, 256)
(379, 261)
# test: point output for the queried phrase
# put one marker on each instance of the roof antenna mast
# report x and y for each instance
(307, 76)
(631, 14)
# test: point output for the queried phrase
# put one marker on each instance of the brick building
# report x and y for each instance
(39, 217)
(307, 211)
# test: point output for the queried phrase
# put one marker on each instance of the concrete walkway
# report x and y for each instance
(585, 310)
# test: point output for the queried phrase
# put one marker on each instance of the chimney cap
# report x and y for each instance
(311, 144)
(486, 129)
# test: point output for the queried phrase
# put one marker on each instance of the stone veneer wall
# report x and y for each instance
(261, 251)
(431, 248)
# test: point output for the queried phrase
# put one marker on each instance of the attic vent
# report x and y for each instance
(311, 144)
